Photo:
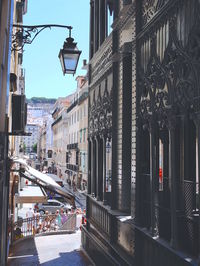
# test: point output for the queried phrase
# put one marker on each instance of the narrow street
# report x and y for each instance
(51, 250)
(80, 198)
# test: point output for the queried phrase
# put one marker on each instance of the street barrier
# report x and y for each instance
(41, 224)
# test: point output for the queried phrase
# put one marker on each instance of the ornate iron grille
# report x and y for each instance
(168, 87)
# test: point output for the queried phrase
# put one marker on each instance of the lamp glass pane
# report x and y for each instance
(70, 61)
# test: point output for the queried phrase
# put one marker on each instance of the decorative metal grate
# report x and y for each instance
(187, 212)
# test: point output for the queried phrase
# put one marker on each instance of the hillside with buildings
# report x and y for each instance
(36, 100)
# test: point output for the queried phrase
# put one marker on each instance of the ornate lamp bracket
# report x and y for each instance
(26, 34)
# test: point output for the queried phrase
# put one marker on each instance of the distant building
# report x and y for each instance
(76, 157)
(82, 117)
(28, 142)
(38, 113)
(59, 138)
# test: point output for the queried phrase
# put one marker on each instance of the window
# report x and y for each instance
(109, 17)
(77, 115)
(80, 135)
(54, 203)
(80, 113)
(84, 110)
(83, 163)
(49, 153)
(67, 157)
(77, 153)
(84, 131)
(80, 159)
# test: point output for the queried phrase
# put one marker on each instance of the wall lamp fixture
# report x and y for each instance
(68, 55)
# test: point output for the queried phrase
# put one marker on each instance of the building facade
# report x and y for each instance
(83, 131)
(144, 108)
(72, 155)
(76, 157)
(59, 125)
(6, 12)
(27, 142)
(12, 98)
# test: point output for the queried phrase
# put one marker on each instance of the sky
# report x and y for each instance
(43, 73)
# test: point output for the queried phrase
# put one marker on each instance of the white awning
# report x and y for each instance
(31, 194)
(43, 180)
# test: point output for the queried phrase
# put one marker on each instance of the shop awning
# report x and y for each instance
(43, 180)
(31, 194)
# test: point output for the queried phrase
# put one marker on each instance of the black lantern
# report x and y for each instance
(69, 56)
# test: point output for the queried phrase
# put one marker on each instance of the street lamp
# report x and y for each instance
(68, 55)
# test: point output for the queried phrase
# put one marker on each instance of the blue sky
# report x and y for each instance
(44, 77)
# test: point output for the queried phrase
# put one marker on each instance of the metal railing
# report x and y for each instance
(41, 224)
(99, 216)
(187, 211)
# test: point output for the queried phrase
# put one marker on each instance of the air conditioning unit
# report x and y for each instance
(19, 113)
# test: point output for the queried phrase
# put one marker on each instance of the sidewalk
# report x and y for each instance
(52, 250)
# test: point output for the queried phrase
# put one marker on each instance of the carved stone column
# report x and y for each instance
(172, 179)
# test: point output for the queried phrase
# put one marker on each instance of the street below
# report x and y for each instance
(50, 250)
(80, 198)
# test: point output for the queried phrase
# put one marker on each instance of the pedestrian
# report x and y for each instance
(65, 216)
(29, 216)
(58, 218)
(37, 220)
(62, 215)
(46, 223)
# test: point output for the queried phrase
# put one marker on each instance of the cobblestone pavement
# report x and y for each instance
(51, 250)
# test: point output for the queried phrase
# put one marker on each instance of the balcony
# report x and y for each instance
(72, 167)
(82, 97)
(73, 146)
(72, 106)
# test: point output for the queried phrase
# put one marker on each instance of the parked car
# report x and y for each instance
(60, 198)
(51, 206)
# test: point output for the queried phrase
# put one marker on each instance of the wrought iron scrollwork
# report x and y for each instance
(171, 83)
(26, 34)
(150, 8)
